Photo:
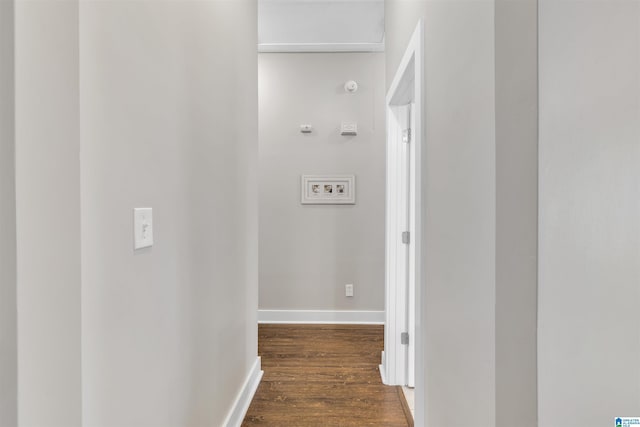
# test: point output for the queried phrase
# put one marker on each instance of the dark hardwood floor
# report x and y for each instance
(323, 375)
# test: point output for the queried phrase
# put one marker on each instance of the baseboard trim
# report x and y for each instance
(382, 368)
(355, 317)
(405, 406)
(243, 400)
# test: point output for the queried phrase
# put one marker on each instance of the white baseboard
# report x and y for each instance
(382, 367)
(242, 402)
(322, 317)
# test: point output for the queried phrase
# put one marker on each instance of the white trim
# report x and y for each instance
(406, 88)
(243, 400)
(381, 368)
(355, 317)
(320, 47)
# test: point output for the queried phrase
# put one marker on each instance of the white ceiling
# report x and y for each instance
(320, 25)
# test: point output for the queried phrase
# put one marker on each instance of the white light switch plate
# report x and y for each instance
(142, 228)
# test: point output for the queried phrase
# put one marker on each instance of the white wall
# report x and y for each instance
(589, 202)
(460, 194)
(516, 44)
(169, 120)
(589, 334)
(48, 212)
(309, 252)
(172, 83)
(8, 343)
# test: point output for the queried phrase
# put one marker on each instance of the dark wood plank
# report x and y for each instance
(323, 375)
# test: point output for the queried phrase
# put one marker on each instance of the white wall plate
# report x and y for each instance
(142, 228)
(328, 190)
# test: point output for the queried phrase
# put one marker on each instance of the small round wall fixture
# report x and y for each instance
(351, 86)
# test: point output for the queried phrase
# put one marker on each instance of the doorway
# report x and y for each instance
(402, 360)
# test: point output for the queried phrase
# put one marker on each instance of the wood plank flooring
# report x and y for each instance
(323, 375)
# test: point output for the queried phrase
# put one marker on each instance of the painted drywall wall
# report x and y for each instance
(516, 212)
(48, 212)
(309, 252)
(169, 121)
(460, 195)
(8, 338)
(589, 267)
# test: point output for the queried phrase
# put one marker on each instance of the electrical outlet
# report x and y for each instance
(348, 290)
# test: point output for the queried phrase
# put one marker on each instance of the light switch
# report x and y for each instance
(142, 228)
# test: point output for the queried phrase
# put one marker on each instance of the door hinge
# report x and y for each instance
(404, 338)
(406, 237)
(406, 135)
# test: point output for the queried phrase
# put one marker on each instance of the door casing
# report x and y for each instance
(406, 90)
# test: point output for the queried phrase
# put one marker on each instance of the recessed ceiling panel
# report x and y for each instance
(320, 25)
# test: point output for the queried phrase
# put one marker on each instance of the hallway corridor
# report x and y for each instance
(323, 375)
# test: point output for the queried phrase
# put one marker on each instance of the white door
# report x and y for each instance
(411, 248)
(407, 259)
(399, 358)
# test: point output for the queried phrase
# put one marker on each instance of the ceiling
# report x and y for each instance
(320, 25)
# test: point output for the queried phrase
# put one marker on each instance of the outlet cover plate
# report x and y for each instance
(348, 290)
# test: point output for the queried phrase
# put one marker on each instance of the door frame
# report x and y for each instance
(406, 88)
